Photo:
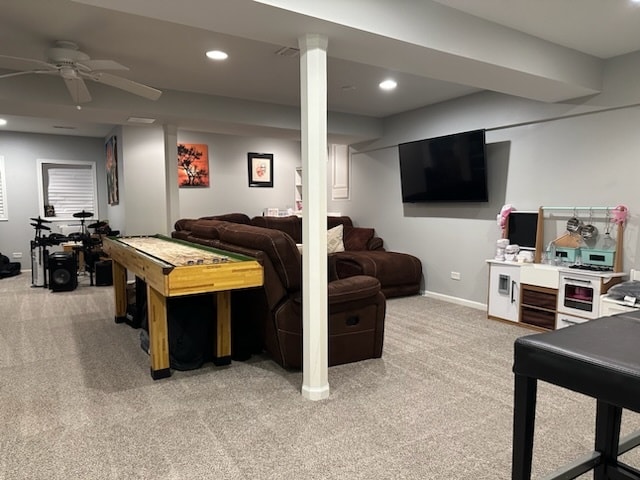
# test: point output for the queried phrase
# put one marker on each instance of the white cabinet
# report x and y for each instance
(504, 291)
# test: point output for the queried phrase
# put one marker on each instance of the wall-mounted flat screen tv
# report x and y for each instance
(444, 169)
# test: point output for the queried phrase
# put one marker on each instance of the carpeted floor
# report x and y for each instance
(77, 402)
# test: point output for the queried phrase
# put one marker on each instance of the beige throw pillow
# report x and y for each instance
(334, 240)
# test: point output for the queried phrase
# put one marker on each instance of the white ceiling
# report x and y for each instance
(602, 28)
(163, 43)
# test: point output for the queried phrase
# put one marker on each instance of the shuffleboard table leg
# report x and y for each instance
(158, 334)
(120, 291)
(158, 374)
(222, 352)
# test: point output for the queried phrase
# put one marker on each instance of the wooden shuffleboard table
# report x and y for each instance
(170, 268)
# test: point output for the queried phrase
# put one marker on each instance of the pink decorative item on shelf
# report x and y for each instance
(503, 216)
(619, 214)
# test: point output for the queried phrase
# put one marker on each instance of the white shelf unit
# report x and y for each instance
(297, 200)
(609, 306)
(613, 307)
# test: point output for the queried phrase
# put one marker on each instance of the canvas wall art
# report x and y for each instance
(193, 165)
(112, 171)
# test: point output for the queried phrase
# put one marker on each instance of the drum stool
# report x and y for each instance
(599, 358)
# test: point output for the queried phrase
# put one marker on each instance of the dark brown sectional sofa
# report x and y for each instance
(270, 317)
(400, 274)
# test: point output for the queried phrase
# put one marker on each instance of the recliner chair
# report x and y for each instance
(271, 317)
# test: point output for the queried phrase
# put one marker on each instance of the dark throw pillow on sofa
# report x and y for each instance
(357, 238)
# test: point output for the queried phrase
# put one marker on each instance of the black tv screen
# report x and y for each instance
(444, 169)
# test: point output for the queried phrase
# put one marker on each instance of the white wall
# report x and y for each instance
(539, 154)
(588, 159)
(229, 189)
(143, 174)
(21, 151)
(142, 206)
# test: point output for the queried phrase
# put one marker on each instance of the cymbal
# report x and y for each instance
(41, 227)
(40, 220)
(83, 214)
(97, 225)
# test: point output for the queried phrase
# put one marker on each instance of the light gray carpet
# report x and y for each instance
(77, 402)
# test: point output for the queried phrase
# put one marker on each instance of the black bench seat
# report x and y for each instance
(599, 358)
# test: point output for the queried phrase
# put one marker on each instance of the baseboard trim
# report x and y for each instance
(456, 300)
(320, 392)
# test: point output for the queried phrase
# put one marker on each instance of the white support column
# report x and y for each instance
(313, 106)
(171, 175)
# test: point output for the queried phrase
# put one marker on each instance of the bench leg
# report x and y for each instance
(524, 416)
(608, 418)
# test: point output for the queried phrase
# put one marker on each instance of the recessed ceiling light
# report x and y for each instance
(217, 55)
(3, 122)
(388, 84)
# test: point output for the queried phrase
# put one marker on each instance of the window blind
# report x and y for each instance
(3, 192)
(70, 190)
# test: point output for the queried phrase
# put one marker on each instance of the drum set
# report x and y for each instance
(83, 245)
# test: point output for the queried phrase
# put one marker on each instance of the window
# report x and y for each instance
(3, 193)
(67, 187)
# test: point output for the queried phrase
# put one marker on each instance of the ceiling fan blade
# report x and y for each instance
(127, 85)
(92, 65)
(15, 74)
(78, 90)
(20, 63)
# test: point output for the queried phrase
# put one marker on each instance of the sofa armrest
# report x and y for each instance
(349, 290)
(375, 243)
(352, 289)
(360, 239)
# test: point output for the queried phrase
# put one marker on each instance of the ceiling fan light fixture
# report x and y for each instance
(68, 72)
(217, 55)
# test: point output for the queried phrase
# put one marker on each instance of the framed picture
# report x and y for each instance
(260, 169)
(49, 211)
(112, 170)
(193, 165)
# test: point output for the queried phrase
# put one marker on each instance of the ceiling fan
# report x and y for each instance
(74, 66)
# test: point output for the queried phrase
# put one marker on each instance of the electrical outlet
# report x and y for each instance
(455, 275)
(16, 254)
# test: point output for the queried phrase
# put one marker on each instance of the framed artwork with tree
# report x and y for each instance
(193, 165)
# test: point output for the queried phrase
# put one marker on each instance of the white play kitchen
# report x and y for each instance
(553, 267)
